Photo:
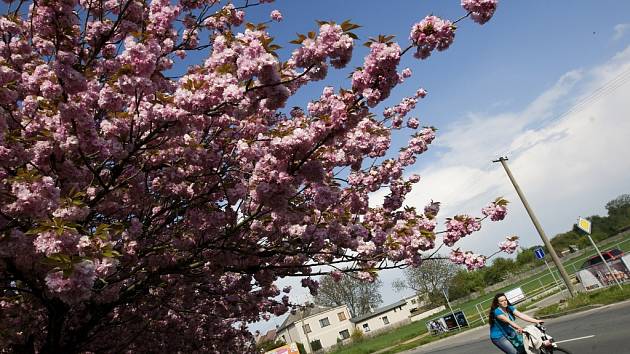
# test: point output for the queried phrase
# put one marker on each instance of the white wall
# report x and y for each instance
(395, 315)
(419, 316)
(326, 335)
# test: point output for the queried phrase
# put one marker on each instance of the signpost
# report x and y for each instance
(585, 226)
(540, 254)
(515, 295)
(450, 308)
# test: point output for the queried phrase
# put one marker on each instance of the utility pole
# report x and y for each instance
(541, 232)
(308, 341)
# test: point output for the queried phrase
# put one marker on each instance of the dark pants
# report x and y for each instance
(507, 347)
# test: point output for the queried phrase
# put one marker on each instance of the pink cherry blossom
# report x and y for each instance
(481, 11)
(432, 33)
(509, 245)
(276, 15)
(413, 123)
(378, 75)
(460, 226)
(496, 210)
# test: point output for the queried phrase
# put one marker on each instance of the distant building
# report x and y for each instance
(386, 316)
(270, 336)
(321, 326)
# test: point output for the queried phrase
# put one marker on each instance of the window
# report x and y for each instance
(385, 320)
(344, 334)
(316, 345)
(307, 328)
(324, 322)
(342, 316)
(366, 327)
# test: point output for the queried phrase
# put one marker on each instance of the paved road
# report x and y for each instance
(610, 326)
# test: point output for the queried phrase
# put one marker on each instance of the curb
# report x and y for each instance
(401, 343)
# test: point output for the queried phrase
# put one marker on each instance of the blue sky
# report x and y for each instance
(502, 88)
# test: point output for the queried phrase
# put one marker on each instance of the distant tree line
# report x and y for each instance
(464, 283)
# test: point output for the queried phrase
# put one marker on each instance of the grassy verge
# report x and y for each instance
(396, 340)
(605, 296)
(424, 340)
(384, 340)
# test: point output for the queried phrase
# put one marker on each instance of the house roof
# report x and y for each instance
(267, 337)
(378, 311)
(298, 316)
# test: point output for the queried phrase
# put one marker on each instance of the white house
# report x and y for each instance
(323, 326)
(387, 316)
(320, 326)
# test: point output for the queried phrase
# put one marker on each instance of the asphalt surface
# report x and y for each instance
(597, 331)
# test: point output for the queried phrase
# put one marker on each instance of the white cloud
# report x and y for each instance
(620, 30)
(567, 164)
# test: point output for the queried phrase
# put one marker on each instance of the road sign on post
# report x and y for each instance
(540, 254)
(585, 226)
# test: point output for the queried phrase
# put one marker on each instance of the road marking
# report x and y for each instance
(572, 339)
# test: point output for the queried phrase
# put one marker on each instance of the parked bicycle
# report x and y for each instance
(537, 341)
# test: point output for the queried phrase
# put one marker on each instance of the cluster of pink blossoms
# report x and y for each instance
(432, 33)
(34, 198)
(418, 144)
(75, 288)
(460, 226)
(471, 260)
(331, 42)
(398, 112)
(510, 244)
(481, 11)
(375, 80)
(226, 17)
(496, 210)
(276, 15)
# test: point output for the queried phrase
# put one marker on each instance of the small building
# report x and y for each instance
(320, 326)
(397, 313)
(270, 336)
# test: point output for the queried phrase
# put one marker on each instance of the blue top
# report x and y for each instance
(499, 328)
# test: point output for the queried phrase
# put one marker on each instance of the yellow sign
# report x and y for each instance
(584, 225)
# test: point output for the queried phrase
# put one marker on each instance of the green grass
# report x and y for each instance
(416, 343)
(395, 340)
(603, 297)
